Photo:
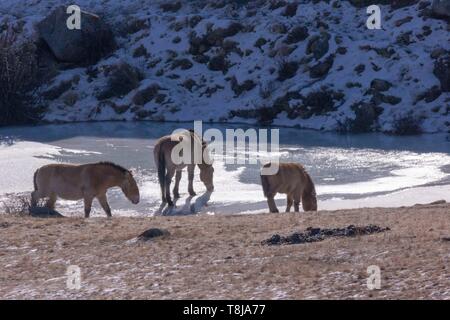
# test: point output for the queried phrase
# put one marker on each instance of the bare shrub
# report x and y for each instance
(266, 90)
(287, 70)
(17, 205)
(407, 125)
(121, 81)
(18, 80)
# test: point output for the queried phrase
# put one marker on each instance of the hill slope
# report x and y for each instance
(315, 65)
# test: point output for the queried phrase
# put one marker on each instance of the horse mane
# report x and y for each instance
(310, 189)
(115, 166)
(309, 196)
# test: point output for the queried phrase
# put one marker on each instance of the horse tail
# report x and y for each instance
(265, 185)
(35, 180)
(309, 198)
(161, 165)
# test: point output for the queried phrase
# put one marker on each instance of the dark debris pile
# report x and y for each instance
(318, 234)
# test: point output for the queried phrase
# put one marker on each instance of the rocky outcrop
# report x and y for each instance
(270, 64)
(318, 45)
(442, 71)
(321, 69)
(441, 8)
(87, 45)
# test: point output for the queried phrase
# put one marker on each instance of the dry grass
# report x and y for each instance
(220, 257)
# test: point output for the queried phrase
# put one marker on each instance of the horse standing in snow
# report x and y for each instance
(87, 181)
(293, 180)
(167, 168)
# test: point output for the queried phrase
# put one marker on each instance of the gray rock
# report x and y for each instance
(442, 71)
(297, 34)
(318, 45)
(380, 85)
(87, 45)
(152, 233)
(436, 53)
(278, 28)
(441, 8)
(321, 69)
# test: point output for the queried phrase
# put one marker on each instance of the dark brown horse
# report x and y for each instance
(166, 149)
(293, 180)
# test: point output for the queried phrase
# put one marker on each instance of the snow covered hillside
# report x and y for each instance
(312, 64)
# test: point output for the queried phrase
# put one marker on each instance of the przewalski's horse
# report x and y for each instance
(87, 181)
(293, 180)
(167, 166)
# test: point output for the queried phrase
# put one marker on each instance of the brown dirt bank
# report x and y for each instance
(216, 257)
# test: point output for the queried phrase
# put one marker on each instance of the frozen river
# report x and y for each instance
(349, 171)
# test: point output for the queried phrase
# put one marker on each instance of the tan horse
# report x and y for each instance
(293, 180)
(167, 168)
(87, 181)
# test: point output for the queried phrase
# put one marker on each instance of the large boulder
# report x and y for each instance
(441, 8)
(87, 45)
(442, 71)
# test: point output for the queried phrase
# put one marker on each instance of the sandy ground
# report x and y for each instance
(221, 257)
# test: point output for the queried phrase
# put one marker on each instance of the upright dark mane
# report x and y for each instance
(115, 166)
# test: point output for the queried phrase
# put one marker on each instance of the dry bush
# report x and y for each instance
(17, 205)
(121, 81)
(287, 70)
(407, 125)
(18, 80)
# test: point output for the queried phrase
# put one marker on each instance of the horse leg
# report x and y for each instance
(35, 196)
(290, 200)
(297, 201)
(191, 169)
(51, 201)
(105, 205)
(87, 205)
(271, 202)
(168, 181)
(176, 193)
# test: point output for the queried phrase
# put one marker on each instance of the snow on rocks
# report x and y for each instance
(236, 61)
(93, 41)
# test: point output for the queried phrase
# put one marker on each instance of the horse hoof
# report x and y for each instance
(170, 203)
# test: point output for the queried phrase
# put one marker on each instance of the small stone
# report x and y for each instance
(152, 233)
(380, 85)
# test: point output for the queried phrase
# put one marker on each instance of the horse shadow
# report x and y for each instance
(189, 207)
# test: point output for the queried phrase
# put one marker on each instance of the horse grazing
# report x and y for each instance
(87, 181)
(167, 167)
(293, 180)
